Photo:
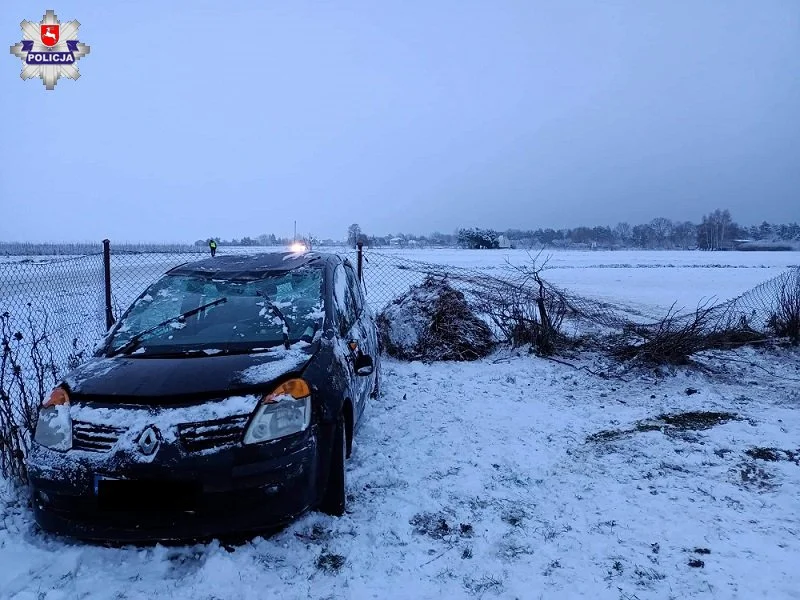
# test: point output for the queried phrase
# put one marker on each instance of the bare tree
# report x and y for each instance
(353, 235)
(623, 232)
(662, 229)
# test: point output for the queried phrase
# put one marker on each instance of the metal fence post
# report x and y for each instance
(107, 280)
(360, 259)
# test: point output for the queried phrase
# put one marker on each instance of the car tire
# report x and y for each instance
(376, 389)
(335, 500)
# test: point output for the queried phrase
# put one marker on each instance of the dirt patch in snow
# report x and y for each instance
(774, 454)
(669, 423)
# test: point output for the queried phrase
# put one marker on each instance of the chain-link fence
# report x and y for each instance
(132, 273)
(71, 300)
(55, 302)
(509, 295)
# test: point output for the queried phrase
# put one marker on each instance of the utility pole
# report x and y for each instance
(294, 239)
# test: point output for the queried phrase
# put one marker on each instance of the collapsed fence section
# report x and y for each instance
(524, 308)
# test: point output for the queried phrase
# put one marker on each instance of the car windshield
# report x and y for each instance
(234, 315)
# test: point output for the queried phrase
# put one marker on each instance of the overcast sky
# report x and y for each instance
(203, 118)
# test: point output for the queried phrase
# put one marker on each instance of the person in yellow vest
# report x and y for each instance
(212, 244)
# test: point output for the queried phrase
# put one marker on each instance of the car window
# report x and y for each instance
(345, 302)
(355, 288)
(248, 317)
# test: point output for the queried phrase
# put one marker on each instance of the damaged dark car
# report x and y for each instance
(223, 401)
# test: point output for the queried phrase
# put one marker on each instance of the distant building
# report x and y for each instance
(503, 242)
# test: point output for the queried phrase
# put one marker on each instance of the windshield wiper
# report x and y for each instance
(281, 316)
(137, 339)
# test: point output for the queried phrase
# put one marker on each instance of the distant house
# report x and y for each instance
(503, 242)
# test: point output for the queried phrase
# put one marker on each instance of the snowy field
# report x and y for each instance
(484, 480)
(646, 281)
(511, 477)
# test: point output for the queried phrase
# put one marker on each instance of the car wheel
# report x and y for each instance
(376, 389)
(335, 500)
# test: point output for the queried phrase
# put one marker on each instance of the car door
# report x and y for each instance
(366, 320)
(354, 333)
(367, 332)
(349, 331)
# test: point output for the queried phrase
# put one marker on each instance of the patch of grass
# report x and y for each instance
(435, 526)
(697, 420)
(510, 550)
(774, 454)
(614, 434)
(551, 567)
(550, 532)
(330, 563)
(316, 534)
(755, 477)
(440, 474)
(514, 516)
(668, 424)
(483, 585)
(646, 576)
(696, 563)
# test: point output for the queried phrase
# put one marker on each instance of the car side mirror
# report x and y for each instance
(364, 365)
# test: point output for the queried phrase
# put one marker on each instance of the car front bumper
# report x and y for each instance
(239, 489)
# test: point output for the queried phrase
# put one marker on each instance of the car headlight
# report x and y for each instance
(54, 426)
(285, 411)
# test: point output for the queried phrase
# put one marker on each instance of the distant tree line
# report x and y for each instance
(268, 239)
(716, 231)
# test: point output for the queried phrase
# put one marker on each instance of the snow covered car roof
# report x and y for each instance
(251, 266)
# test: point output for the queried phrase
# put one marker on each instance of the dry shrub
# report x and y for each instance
(785, 321)
(525, 309)
(431, 322)
(673, 339)
(27, 374)
(524, 316)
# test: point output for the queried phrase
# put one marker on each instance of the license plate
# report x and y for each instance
(142, 495)
(99, 478)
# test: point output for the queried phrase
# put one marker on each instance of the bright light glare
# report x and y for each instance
(297, 247)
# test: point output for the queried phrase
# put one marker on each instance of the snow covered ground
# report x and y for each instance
(489, 479)
(513, 477)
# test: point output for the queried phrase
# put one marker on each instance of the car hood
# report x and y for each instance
(177, 380)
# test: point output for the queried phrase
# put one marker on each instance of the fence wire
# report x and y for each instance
(132, 273)
(66, 296)
(60, 299)
(771, 308)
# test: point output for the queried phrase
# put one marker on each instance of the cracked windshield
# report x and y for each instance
(180, 311)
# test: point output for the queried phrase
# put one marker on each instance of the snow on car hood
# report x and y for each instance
(284, 362)
(173, 380)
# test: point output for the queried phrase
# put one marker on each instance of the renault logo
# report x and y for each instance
(148, 441)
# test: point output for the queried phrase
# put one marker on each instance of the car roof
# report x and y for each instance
(253, 266)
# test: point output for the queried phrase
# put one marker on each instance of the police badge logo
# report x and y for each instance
(49, 49)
